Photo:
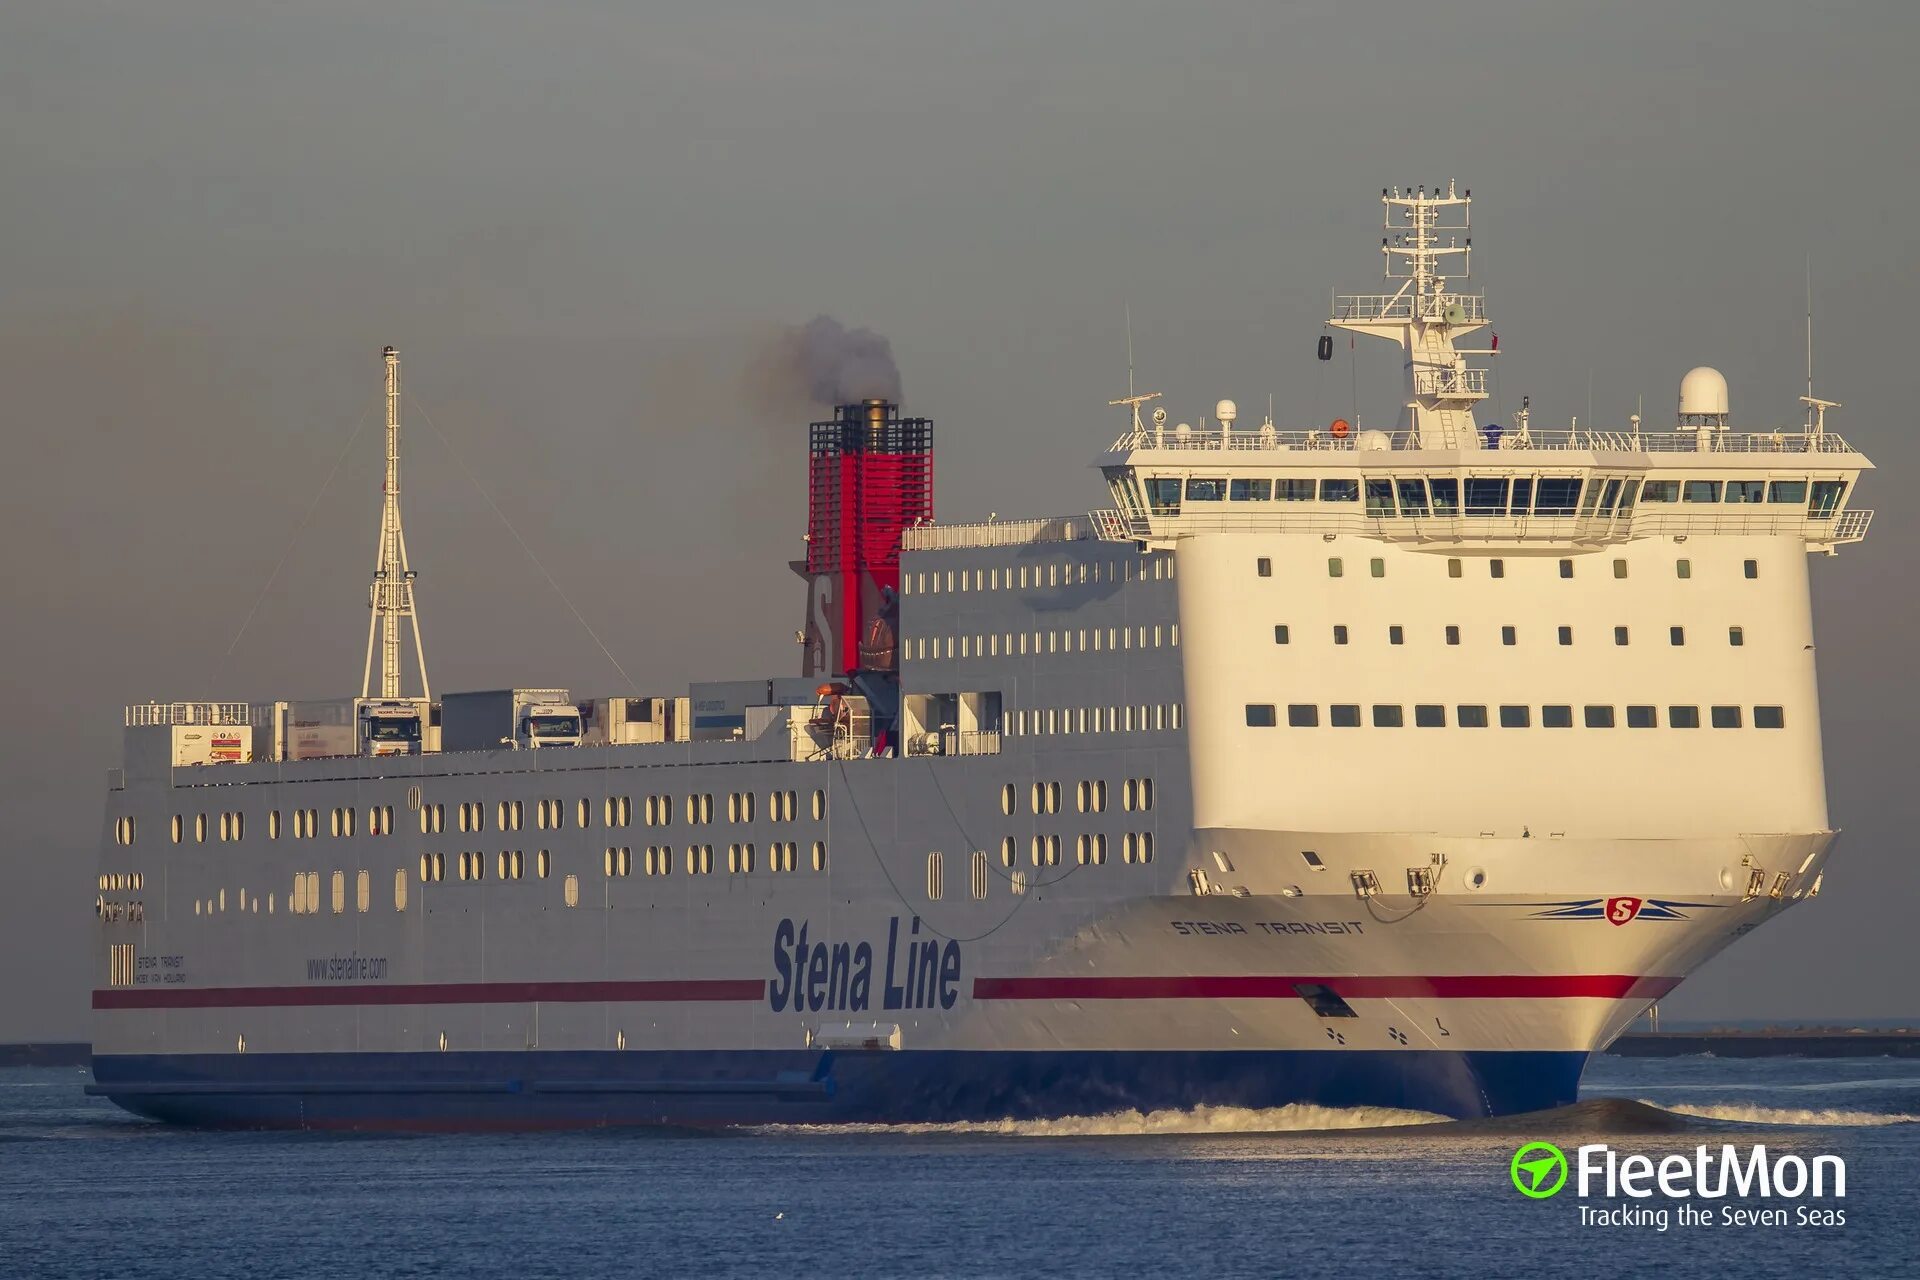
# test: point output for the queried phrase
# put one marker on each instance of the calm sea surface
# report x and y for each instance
(86, 1190)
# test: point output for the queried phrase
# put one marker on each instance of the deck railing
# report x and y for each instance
(1268, 439)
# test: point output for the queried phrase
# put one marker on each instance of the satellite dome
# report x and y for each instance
(1703, 391)
(1226, 411)
(1373, 442)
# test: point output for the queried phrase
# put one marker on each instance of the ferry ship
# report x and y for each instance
(1337, 765)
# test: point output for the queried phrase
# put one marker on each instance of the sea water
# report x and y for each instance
(86, 1190)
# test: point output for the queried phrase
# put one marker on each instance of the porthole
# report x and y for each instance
(1476, 878)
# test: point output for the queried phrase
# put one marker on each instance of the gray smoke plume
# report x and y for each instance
(830, 364)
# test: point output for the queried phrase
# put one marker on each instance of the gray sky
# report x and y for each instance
(577, 221)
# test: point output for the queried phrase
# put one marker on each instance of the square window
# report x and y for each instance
(1339, 633)
(1751, 568)
(1619, 635)
(1471, 717)
(1736, 636)
(1683, 717)
(1726, 717)
(1303, 715)
(1453, 635)
(1566, 568)
(1344, 715)
(1280, 634)
(1378, 568)
(1677, 635)
(1387, 716)
(1769, 718)
(1453, 568)
(1515, 717)
(1347, 490)
(1508, 636)
(1619, 568)
(1496, 568)
(1396, 635)
(1264, 567)
(1429, 716)
(1599, 717)
(1334, 568)
(1260, 715)
(1556, 717)
(1566, 635)
(1642, 718)
(1683, 568)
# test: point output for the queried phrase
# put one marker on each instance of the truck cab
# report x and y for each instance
(390, 728)
(549, 724)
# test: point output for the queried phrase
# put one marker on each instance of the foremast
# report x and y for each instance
(391, 596)
(1425, 316)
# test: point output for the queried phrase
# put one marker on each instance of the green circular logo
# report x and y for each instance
(1539, 1169)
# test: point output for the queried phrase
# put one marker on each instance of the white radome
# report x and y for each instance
(1703, 390)
(1226, 411)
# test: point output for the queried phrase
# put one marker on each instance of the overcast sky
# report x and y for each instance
(577, 221)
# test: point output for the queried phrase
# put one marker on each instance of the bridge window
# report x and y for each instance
(1446, 495)
(1521, 501)
(1486, 495)
(1660, 491)
(1700, 491)
(1294, 490)
(1163, 498)
(1611, 496)
(1745, 490)
(1380, 497)
(1788, 491)
(1206, 489)
(1826, 498)
(1346, 489)
(1558, 496)
(1251, 491)
(1413, 497)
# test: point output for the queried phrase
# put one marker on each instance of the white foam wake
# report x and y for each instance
(1297, 1118)
(1742, 1113)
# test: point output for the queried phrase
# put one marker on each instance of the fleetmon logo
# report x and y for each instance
(1539, 1169)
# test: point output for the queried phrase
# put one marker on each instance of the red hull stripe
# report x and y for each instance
(714, 989)
(1263, 987)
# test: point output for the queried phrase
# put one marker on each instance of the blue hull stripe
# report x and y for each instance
(562, 1089)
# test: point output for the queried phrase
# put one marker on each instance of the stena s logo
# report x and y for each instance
(1622, 910)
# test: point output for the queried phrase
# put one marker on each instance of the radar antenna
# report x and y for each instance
(391, 597)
